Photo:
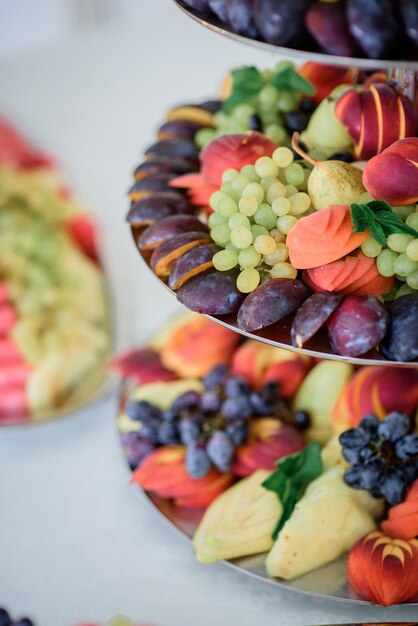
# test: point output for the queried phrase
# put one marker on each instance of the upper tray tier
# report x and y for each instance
(212, 23)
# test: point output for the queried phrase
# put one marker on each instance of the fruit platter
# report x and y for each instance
(301, 471)
(369, 33)
(55, 323)
(287, 210)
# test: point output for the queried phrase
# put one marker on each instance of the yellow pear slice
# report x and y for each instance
(240, 522)
(326, 522)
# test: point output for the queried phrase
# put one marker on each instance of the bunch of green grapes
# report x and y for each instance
(253, 212)
(400, 257)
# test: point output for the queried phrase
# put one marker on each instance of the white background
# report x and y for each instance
(76, 541)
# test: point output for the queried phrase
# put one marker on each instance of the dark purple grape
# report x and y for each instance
(410, 471)
(237, 432)
(25, 621)
(220, 450)
(197, 460)
(136, 449)
(149, 431)
(197, 5)
(312, 315)
(219, 8)
(370, 424)
(353, 455)
(236, 386)
(407, 447)
(168, 433)
(409, 10)
(142, 411)
(374, 26)
(169, 415)
(302, 420)
(259, 404)
(394, 426)
(240, 16)
(271, 391)
(366, 455)
(189, 431)
(296, 121)
(401, 342)
(280, 23)
(393, 486)
(211, 402)
(354, 438)
(353, 476)
(215, 377)
(236, 408)
(255, 123)
(346, 157)
(373, 473)
(307, 105)
(4, 618)
(187, 400)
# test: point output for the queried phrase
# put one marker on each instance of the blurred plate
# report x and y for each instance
(212, 23)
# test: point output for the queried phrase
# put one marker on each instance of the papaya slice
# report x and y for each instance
(405, 527)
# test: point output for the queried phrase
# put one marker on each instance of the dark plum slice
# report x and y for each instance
(401, 342)
(211, 106)
(154, 182)
(312, 315)
(280, 23)
(179, 129)
(192, 263)
(374, 26)
(197, 5)
(327, 25)
(270, 302)
(168, 252)
(212, 293)
(161, 204)
(357, 325)
(168, 227)
(409, 9)
(149, 168)
(240, 16)
(174, 149)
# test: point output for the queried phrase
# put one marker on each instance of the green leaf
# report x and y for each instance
(290, 80)
(291, 478)
(246, 82)
(377, 217)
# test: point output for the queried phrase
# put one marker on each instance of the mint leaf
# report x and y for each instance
(246, 82)
(378, 217)
(290, 80)
(291, 478)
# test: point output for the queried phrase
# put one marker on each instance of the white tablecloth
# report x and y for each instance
(76, 541)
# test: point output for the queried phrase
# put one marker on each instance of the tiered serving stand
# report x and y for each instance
(328, 581)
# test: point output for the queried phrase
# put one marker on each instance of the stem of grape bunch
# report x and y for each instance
(406, 80)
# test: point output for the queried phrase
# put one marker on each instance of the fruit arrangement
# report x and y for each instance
(376, 29)
(54, 311)
(271, 448)
(295, 195)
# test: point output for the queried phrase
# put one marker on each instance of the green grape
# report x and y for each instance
(287, 102)
(267, 182)
(295, 174)
(265, 166)
(281, 206)
(371, 248)
(264, 216)
(412, 220)
(291, 190)
(239, 184)
(318, 154)
(225, 260)
(258, 230)
(230, 246)
(283, 157)
(412, 280)
(220, 234)
(248, 205)
(249, 172)
(283, 65)
(277, 235)
(412, 250)
(403, 211)
(276, 190)
(249, 257)
(404, 290)
(300, 202)
(229, 175)
(265, 244)
(280, 254)
(386, 262)
(227, 189)
(268, 97)
(286, 222)
(404, 266)
(276, 133)
(254, 189)
(238, 219)
(220, 118)
(398, 242)
(241, 237)
(283, 270)
(242, 112)
(215, 219)
(216, 198)
(204, 136)
(248, 280)
(227, 207)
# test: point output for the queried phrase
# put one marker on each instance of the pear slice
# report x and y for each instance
(326, 523)
(240, 522)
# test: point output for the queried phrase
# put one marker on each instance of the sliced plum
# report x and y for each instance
(169, 227)
(179, 129)
(168, 252)
(401, 342)
(192, 263)
(312, 315)
(150, 184)
(212, 293)
(357, 325)
(270, 302)
(161, 204)
(174, 149)
(155, 166)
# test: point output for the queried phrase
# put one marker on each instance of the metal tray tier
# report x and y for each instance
(212, 23)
